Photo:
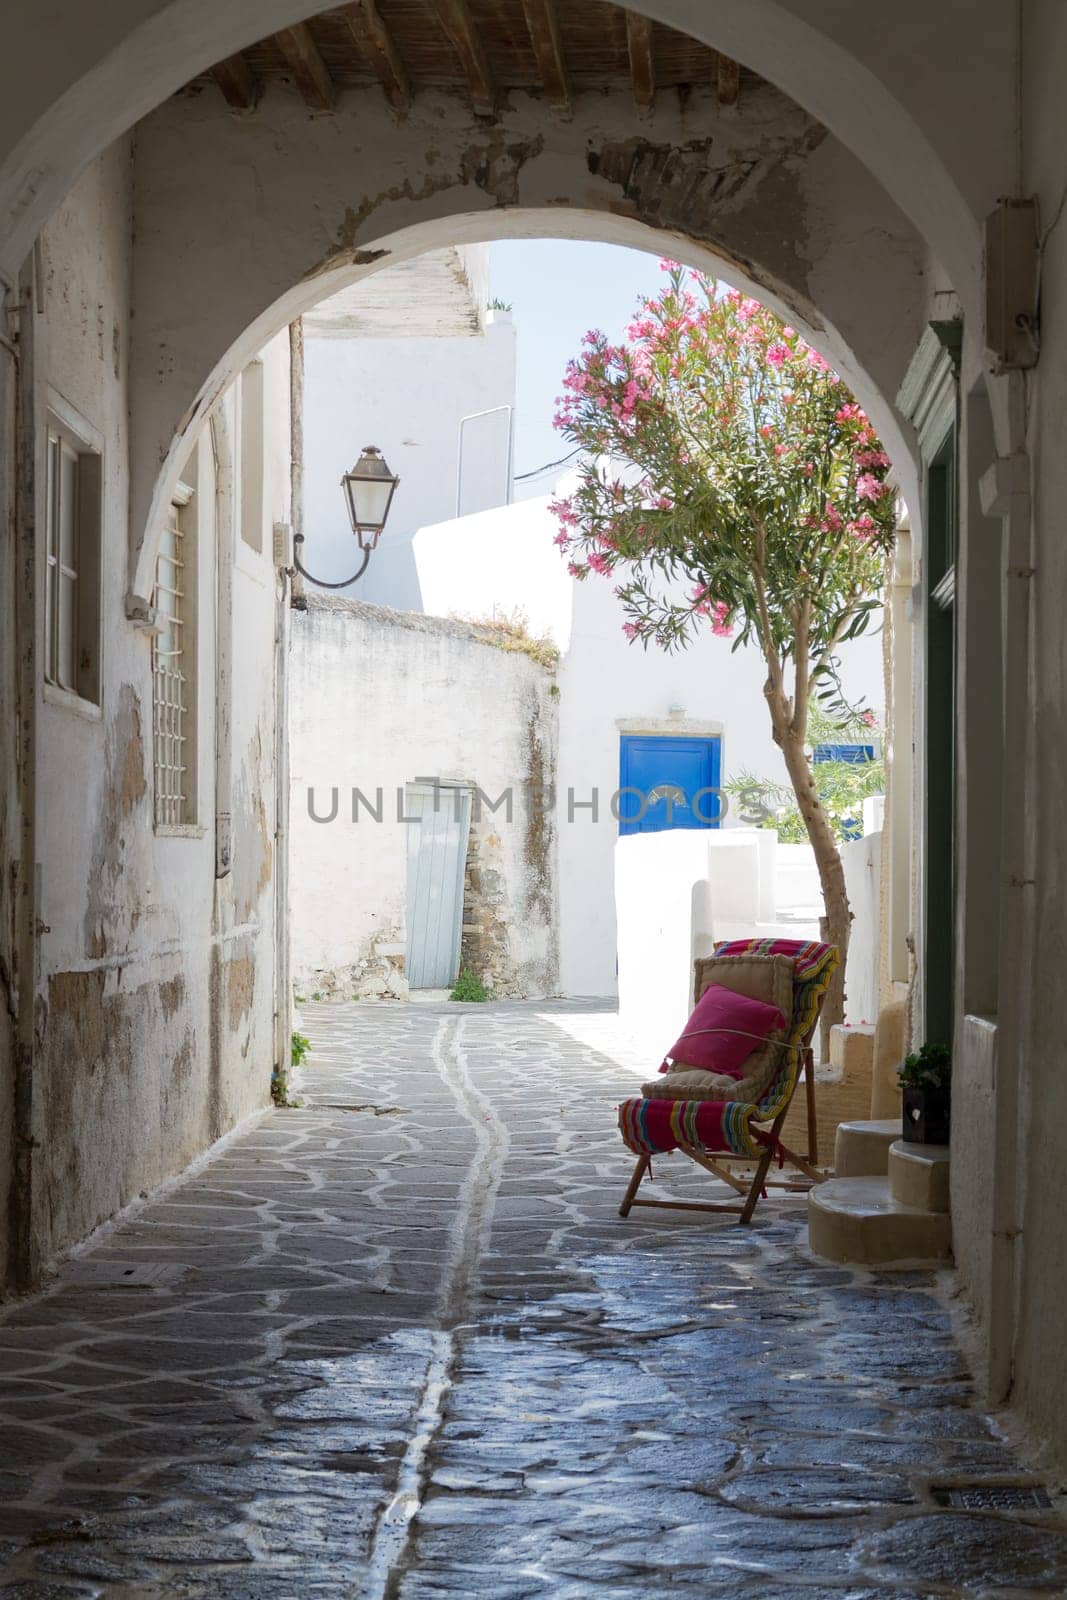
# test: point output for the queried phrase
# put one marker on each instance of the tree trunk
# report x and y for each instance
(831, 873)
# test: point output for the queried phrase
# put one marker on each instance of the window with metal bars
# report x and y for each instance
(72, 566)
(173, 675)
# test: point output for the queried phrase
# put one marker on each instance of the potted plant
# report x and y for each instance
(925, 1080)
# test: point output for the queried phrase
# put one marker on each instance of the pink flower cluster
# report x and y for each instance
(864, 527)
(868, 487)
(716, 610)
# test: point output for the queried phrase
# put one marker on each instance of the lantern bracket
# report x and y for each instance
(320, 583)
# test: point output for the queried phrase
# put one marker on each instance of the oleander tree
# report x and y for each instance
(730, 481)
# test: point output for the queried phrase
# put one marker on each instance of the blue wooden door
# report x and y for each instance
(672, 779)
(438, 829)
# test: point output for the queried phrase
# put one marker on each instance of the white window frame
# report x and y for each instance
(174, 676)
(72, 679)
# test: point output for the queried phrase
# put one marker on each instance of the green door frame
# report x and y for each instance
(929, 397)
(940, 788)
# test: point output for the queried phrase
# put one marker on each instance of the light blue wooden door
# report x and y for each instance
(437, 857)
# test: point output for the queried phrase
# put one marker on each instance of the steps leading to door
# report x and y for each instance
(861, 1149)
(858, 1220)
(918, 1175)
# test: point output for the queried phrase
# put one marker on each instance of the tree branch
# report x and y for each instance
(801, 672)
(775, 691)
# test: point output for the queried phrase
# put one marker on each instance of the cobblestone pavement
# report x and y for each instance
(398, 1345)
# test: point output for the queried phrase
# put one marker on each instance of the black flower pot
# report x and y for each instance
(926, 1115)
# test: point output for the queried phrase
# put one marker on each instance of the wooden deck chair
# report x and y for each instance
(722, 1135)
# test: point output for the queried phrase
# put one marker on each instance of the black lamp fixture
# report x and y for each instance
(369, 489)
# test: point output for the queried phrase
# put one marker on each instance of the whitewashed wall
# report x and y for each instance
(379, 699)
(497, 562)
(862, 859)
(677, 893)
(407, 396)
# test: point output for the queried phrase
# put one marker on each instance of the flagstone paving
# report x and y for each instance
(398, 1343)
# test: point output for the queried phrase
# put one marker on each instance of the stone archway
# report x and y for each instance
(773, 204)
(940, 143)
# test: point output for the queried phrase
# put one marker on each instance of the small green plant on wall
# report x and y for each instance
(299, 1046)
(468, 986)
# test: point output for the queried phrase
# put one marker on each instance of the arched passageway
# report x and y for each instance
(862, 236)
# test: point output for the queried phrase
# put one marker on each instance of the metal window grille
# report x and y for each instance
(170, 684)
(61, 584)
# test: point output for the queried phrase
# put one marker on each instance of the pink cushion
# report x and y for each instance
(724, 1030)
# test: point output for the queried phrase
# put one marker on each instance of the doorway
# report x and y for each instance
(438, 817)
(668, 783)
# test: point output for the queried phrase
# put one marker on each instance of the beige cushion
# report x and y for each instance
(691, 1083)
(766, 978)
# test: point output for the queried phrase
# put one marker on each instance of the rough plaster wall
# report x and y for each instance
(780, 204)
(9, 811)
(378, 699)
(155, 1005)
(1040, 1370)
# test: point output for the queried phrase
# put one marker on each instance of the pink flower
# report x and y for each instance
(777, 354)
(815, 360)
(850, 413)
(630, 630)
(575, 570)
(832, 519)
(766, 430)
(868, 487)
(871, 458)
(870, 719)
(562, 539)
(863, 527)
(716, 610)
(599, 563)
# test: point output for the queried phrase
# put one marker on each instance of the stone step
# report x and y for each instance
(861, 1149)
(857, 1220)
(918, 1175)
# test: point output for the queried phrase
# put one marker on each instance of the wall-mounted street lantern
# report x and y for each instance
(368, 490)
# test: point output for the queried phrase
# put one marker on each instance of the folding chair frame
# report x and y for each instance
(720, 1164)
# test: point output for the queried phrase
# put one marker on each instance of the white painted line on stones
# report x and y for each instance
(468, 1236)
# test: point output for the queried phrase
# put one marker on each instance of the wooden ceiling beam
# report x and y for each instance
(239, 85)
(542, 24)
(729, 81)
(456, 20)
(374, 41)
(642, 67)
(308, 69)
